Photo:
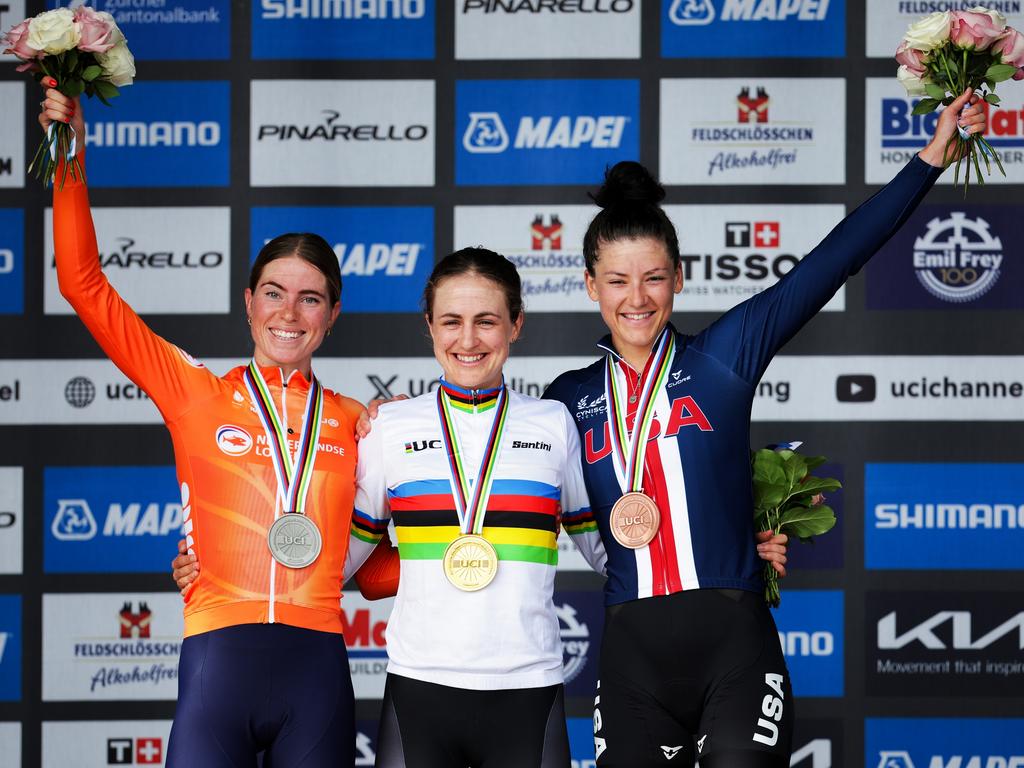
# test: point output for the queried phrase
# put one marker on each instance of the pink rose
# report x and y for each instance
(911, 58)
(974, 31)
(1010, 45)
(17, 41)
(99, 32)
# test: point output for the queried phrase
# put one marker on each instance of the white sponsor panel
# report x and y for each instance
(545, 242)
(12, 513)
(547, 29)
(342, 133)
(161, 260)
(113, 646)
(732, 252)
(364, 625)
(10, 743)
(887, 20)
(102, 743)
(12, 134)
(753, 131)
(893, 135)
(12, 12)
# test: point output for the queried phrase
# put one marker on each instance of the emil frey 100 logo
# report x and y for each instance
(957, 259)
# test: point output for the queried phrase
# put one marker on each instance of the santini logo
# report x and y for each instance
(537, 445)
(486, 132)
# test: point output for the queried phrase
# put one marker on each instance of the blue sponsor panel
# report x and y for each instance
(580, 623)
(950, 257)
(581, 741)
(811, 632)
(12, 261)
(826, 551)
(10, 647)
(543, 131)
(901, 128)
(343, 29)
(110, 519)
(162, 134)
(170, 30)
(963, 742)
(932, 516)
(386, 254)
(753, 28)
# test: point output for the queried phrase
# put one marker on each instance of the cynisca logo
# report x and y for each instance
(709, 28)
(917, 515)
(343, 29)
(164, 134)
(12, 274)
(543, 131)
(385, 254)
(102, 519)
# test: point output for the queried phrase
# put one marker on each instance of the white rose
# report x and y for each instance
(997, 18)
(118, 65)
(930, 32)
(915, 85)
(53, 31)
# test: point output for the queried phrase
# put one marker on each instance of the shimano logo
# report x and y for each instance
(961, 637)
(367, 259)
(343, 9)
(161, 133)
(949, 516)
(799, 643)
(548, 6)
(536, 445)
(486, 132)
(331, 130)
(957, 260)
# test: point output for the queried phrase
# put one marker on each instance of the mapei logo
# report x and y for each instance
(575, 641)
(234, 441)
(486, 132)
(895, 759)
(961, 635)
(702, 12)
(368, 259)
(752, 109)
(957, 259)
(549, 234)
(901, 759)
(74, 521)
(140, 751)
(135, 624)
(752, 234)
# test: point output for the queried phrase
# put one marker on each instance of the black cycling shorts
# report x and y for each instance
(425, 725)
(697, 675)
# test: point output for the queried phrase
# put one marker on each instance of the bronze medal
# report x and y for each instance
(634, 520)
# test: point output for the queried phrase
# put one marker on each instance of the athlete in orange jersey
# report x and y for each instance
(248, 618)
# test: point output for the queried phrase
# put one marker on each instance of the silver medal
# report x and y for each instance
(294, 540)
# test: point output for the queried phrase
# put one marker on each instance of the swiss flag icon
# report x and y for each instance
(766, 234)
(149, 751)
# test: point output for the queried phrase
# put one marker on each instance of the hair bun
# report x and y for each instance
(628, 182)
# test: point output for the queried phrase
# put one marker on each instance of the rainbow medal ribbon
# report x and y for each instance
(293, 539)
(471, 562)
(635, 518)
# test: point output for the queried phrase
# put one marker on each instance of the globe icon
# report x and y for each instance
(79, 392)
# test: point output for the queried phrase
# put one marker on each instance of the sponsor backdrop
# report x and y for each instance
(401, 129)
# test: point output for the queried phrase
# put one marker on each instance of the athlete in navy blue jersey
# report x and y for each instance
(699, 661)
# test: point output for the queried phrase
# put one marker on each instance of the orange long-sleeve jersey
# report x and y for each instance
(228, 486)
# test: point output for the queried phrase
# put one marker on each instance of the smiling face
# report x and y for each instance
(289, 313)
(472, 329)
(634, 284)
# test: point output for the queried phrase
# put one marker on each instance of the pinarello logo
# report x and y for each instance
(234, 441)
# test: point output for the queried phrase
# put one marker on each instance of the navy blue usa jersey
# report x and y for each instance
(697, 466)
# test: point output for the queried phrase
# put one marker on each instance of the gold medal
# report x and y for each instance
(634, 520)
(470, 563)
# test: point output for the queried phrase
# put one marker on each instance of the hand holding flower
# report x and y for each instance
(945, 147)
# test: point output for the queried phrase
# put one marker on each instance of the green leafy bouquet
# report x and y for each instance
(788, 499)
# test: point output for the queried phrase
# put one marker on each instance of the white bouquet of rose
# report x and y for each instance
(947, 52)
(76, 51)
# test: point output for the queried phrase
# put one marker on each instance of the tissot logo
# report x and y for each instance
(140, 751)
(759, 234)
(855, 388)
(333, 128)
(549, 235)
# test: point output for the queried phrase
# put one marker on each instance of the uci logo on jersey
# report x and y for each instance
(543, 131)
(709, 28)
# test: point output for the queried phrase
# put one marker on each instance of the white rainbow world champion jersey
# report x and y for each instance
(506, 635)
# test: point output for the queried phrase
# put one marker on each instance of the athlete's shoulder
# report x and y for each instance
(349, 406)
(529, 405)
(566, 386)
(413, 406)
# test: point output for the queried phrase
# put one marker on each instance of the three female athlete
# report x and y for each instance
(266, 459)
(690, 653)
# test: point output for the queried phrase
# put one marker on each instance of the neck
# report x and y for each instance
(287, 369)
